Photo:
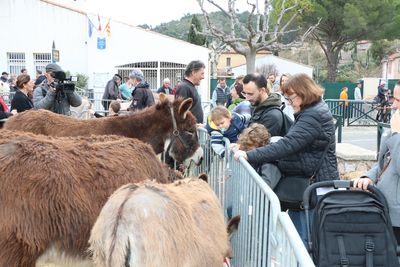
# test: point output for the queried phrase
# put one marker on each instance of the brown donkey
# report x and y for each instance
(52, 189)
(166, 124)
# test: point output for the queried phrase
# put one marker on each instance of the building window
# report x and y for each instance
(15, 62)
(40, 60)
(228, 61)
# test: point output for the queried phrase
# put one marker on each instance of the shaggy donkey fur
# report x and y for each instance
(52, 190)
(150, 224)
(153, 125)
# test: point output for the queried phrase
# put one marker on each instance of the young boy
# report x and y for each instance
(113, 109)
(256, 136)
(222, 123)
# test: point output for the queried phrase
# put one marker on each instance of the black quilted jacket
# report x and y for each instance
(298, 153)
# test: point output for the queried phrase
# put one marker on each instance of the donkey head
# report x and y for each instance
(182, 143)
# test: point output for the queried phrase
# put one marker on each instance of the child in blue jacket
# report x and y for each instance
(222, 123)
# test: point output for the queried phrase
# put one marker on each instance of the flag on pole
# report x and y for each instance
(91, 26)
(99, 29)
(108, 29)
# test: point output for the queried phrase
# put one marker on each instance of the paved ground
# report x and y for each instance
(360, 136)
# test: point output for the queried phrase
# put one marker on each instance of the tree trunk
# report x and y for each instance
(332, 56)
(251, 61)
(332, 67)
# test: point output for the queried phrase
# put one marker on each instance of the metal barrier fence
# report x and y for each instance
(356, 112)
(266, 236)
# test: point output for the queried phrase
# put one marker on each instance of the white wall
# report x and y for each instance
(370, 88)
(30, 26)
(283, 66)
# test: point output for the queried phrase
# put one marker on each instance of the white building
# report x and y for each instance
(31, 26)
(283, 65)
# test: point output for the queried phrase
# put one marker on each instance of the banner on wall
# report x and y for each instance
(101, 43)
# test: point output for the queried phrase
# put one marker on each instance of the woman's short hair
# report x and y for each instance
(288, 75)
(239, 89)
(304, 87)
(220, 112)
(22, 79)
(256, 135)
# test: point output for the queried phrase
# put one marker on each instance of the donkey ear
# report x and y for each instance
(233, 225)
(162, 97)
(204, 177)
(185, 107)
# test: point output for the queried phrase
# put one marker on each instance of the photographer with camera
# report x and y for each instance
(56, 93)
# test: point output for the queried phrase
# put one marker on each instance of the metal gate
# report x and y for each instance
(155, 71)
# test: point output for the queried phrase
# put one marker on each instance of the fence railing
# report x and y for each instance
(357, 112)
(266, 236)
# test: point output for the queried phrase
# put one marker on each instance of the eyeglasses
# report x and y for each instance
(290, 99)
(247, 94)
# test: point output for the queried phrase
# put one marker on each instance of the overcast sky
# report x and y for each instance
(151, 12)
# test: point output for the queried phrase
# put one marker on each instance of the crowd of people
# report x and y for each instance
(283, 128)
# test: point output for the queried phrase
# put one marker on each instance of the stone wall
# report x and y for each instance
(353, 161)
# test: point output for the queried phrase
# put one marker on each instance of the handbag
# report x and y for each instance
(290, 189)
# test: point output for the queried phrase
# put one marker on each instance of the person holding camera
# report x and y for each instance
(52, 95)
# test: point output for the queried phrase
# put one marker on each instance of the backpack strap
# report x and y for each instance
(369, 252)
(344, 261)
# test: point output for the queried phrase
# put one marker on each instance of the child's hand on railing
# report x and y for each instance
(234, 147)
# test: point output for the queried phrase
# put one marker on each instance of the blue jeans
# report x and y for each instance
(299, 220)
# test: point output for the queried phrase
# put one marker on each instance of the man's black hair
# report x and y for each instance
(257, 78)
(194, 66)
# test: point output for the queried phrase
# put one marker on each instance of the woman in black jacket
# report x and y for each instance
(303, 148)
(21, 100)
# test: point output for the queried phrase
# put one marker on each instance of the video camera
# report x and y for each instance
(62, 83)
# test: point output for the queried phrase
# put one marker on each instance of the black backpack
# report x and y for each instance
(352, 228)
(287, 122)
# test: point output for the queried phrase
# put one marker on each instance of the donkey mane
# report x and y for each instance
(153, 125)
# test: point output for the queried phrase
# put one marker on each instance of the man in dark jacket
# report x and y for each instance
(112, 92)
(142, 96)
(194, 73)
(166, 87)
(265, 105)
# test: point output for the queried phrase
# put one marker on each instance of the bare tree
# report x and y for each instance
(267, 69)
(262, 31)
(216, 48)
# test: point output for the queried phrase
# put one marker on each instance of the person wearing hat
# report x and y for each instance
(45, 96)
(111, 91)
(4, 77)
(142, 96)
